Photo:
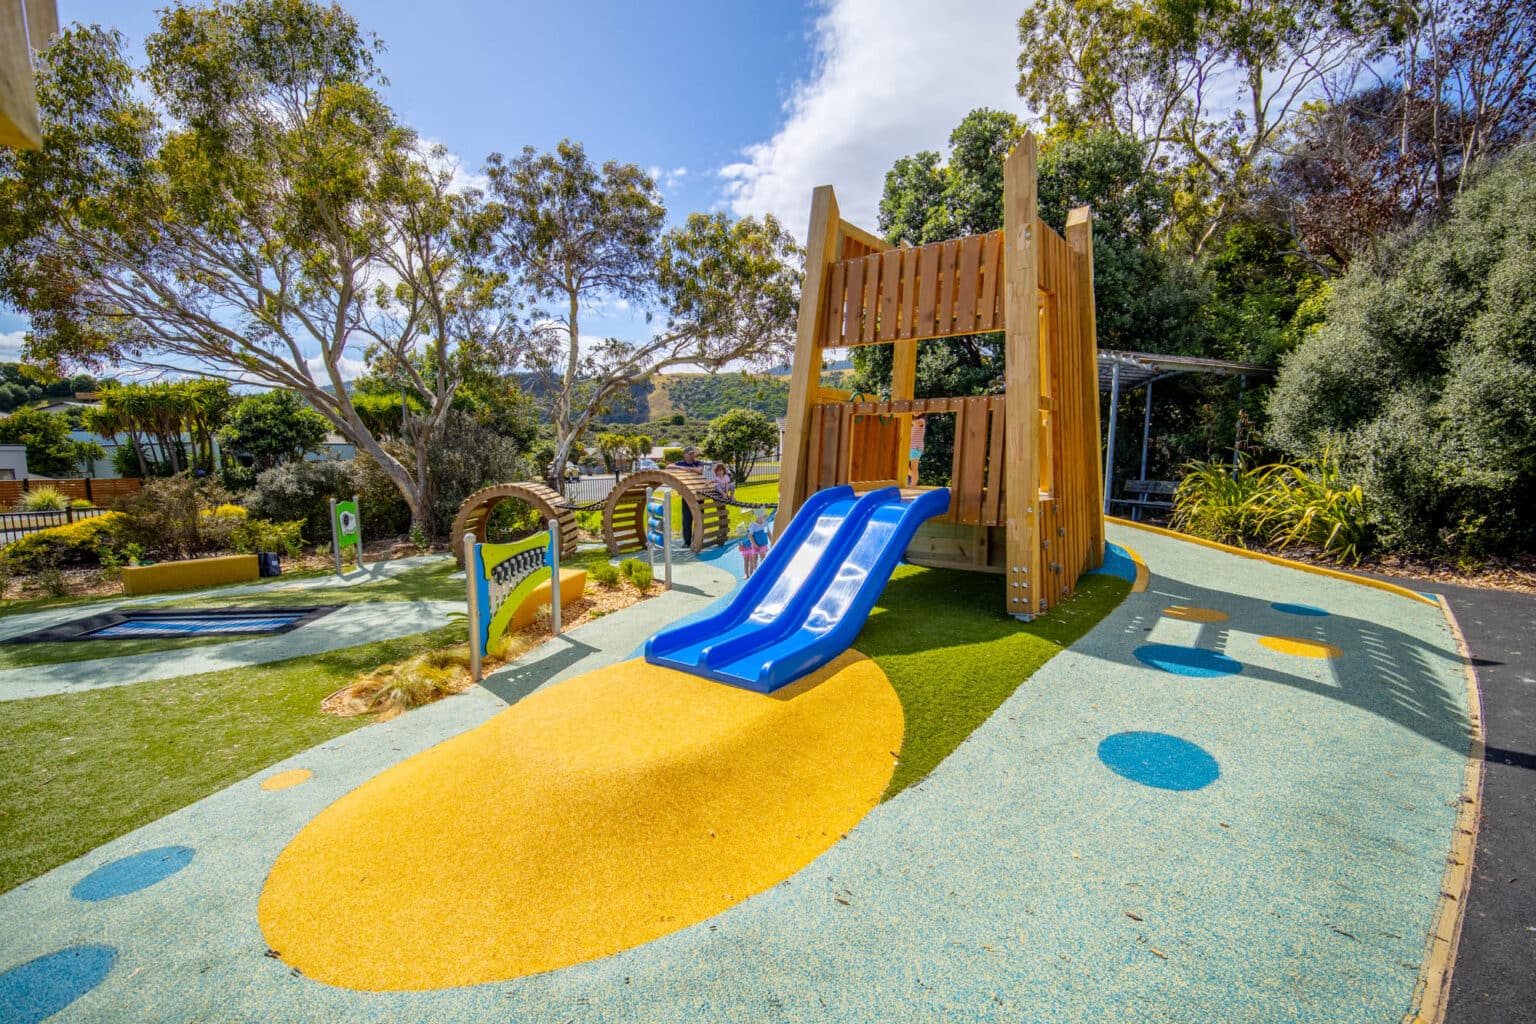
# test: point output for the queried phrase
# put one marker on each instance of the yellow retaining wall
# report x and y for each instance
(572, 583)
(194, 572)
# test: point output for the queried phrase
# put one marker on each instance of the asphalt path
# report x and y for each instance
(1495, 974)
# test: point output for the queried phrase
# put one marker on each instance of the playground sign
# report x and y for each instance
(500, 577)
(346, 529)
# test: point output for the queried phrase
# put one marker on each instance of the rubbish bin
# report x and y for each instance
(268, 563)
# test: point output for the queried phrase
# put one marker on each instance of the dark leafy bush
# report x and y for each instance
(468, 456)
(1422, 378)
(302, 491)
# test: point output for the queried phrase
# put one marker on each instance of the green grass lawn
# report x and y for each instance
(28, 655)
(79, 769)
(953, 655)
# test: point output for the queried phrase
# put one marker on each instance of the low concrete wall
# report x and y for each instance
(195, 572)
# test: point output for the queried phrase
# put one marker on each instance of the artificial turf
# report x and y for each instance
(954, 656)
(79, 769)
(423, 583)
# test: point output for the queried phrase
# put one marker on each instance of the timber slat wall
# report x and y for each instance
(931, 291)
(1026, 472)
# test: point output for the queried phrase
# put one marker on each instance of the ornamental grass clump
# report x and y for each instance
(391, 690)
(1282, 504)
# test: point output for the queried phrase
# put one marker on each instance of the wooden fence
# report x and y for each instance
(97, 492)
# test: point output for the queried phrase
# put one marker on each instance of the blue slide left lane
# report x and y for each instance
(810, 597)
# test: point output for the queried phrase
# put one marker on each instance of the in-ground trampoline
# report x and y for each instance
(144, 625)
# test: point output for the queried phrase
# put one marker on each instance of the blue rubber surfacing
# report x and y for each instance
(1188, 661)
(132, 873)
(40, 988)
(1159, 760)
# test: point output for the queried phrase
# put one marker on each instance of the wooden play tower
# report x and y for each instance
(1026, 482)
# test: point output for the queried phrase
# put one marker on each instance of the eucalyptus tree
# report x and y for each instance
(247, 208)
(1209, 86)
(714, 291)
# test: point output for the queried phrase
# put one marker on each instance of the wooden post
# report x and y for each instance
(1080, 241)
(903, 389)
(1021, 378)
(821, 250)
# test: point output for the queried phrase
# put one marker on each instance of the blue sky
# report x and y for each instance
(742, 106)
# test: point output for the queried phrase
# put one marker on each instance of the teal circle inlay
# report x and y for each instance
(1298, 609)
(38, 989)
(1188, 661)
(1159, 760)
(132, 873)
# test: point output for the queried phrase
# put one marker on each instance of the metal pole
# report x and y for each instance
(358, 505)
(554, 577)
(335, 538)
(666, 532)
(474, 605)
(1146, 433)
(1109, 454)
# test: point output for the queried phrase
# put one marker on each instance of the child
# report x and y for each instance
(755, 544)
(722, 481)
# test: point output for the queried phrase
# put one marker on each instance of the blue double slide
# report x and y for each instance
(810, 596)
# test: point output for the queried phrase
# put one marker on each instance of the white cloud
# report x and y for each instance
(10, 345)
(350, 368)
(463, 178)
(892, 77)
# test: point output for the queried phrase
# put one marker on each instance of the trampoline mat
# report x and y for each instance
(143, 625)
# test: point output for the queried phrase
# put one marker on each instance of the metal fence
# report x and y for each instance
(16, 525)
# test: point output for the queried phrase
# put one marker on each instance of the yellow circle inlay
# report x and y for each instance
(592, 816)
(284, 780)
(1188, 613)
(1300, 647)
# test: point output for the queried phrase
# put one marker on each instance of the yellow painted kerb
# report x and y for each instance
(1391, 588)
(594, 815)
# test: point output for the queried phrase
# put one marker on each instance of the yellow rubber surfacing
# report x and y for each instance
(592, 816)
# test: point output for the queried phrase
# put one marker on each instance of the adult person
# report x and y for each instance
(690, 460)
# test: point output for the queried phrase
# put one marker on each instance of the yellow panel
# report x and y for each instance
(185, 575)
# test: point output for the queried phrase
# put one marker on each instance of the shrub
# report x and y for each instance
(167, 517)
(53, 583)
(1281, 504)
(216, 527)
(640, 575)
(256, 535)
(1219, 503)
(466, 456)
(74, 545)
(740, 438)
(302, 491)
(392, 690)
(1422, 378)
(43, 499)
(671, 454)
(385, 512)
(81, 503)
(604, 574)
(5, 576)
(1311, 504)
